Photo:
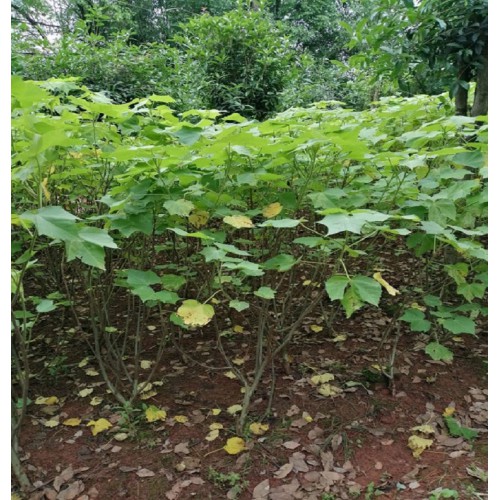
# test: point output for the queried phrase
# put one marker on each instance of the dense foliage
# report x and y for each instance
(194, 215)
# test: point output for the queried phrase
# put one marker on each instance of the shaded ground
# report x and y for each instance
(353, 444)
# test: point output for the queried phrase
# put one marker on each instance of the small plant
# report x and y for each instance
(439, 493)
(232, 479)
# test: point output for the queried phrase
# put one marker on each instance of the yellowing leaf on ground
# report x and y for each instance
(230, 374)
(340, 338)
(238, 361)
(215, 425)
(316, 328)
(212, 435)
(51, 400)
(307, 417)
(121, 436)
(153, 414)
(72, 422)
(51, 422)
(448, 411)
(216, 411)
(328, 390)
(418, 445)
(258, 429)
(86, 392)
(144, 387)
(99, 425)
(96, 400)
(194, 313)
(424, 429)
(306, 282)
(181, 419)
(238, 329)
(83, 362)
(322, 379)
(390, 289)
(232, 410)
(234, 445)
(148, 395)
(272, 210)
(238, 221)
(146, 364)
(91, 372)
(198, 218)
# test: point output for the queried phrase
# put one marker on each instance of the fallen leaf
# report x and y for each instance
(215, 425)
(418, 445)
(316, 328)
(212, 435)
(96, 400)
(234, 445)
(51, 423)
(291, 445)
(378, 465)
(322, 379)
(146, 364)
(232, 410)
(328, 390)
(121, 436)
(424, 429)
(181, 419)
(91, 372)
(51, 400)
(72, 491)
(216, 411)
(99, 425)
(238, 361)
(307, 417)
(258, 429)
(477, 472)
(148, 395)
(448, 411)
(72, 422)
(390, 289)
(261, 491)
(298, 462)
(145, 473)
(182, 448)
(83, 362)
(238, 329)
(153, 414)
(86, 392)
(65, 476)
(230, 374)
(283, 471)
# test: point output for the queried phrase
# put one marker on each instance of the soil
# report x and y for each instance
(353, 444)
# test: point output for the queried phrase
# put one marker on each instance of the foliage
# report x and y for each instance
(193, 215)
(244, 59)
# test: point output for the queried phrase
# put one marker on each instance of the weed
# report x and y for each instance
(234, 480)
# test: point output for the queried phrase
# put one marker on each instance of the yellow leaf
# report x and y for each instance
(272, 210)
(418, 445)
(322, 379)
(377, 367)
(144, 387)
(96, 400)
(86, 392)
(99, 425)
(238, 361)
(316, 328)
(230, 375)
(424, 429)
(72, 422)
(307, 417)
(45, 190)
(234, 445)
(234, 409)
(198, 218)
(51, 400)
(448, 411)
(146, 364)
(328, 390)
(390, 289)
(215, 301)
(238, 221)
(194, 313)
(215, 426)
(213, 434)
(238, 329)
(91, 372)
(147, 395)
(415, 305)
(51, 423)
(306, 282)
(216, 411)
(153, 414)
(340, 338)
(181, 419)
(258, 429)
(83, 362)
(121, 436)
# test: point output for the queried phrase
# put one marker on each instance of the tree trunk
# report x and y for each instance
(480, 106)
(461, 101)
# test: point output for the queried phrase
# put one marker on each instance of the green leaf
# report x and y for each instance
(281, 223)
(187, 135)
(311, 241)
(367, 289)
(265, 292)
(172, 281)
(456, 430)
(179, 207)
(97, 236)
(45, 306)
(335, 286)
(54, 222)
(281, 263)
(417, 320)
(474, 159)
(351, 222)
(459, 324)
(438, 352)
(239, 305)
(137, 278)
(351, 302)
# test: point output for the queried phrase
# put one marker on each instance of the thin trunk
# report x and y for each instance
(461, 101)
(480, 106)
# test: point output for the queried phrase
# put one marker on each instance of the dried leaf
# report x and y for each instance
(322, 379)
(72, 422)
(51, 400)
(65, 476)
(258, 429)
(238, 221)
(424, 429)
(316, 328)
(284, 470)
(232, 410)
(145, 473)
(272, 210)
(212, 435)
(230, 374)
(261, 491)
(91, 372)
(52, 422)
(418, 445)
(146, 364)
(96, 400)
(86, 392)
(99, 425)
(291, 445)
(390, 289)
(182, 448)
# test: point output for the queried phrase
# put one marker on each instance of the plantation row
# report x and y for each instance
(197, 216)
